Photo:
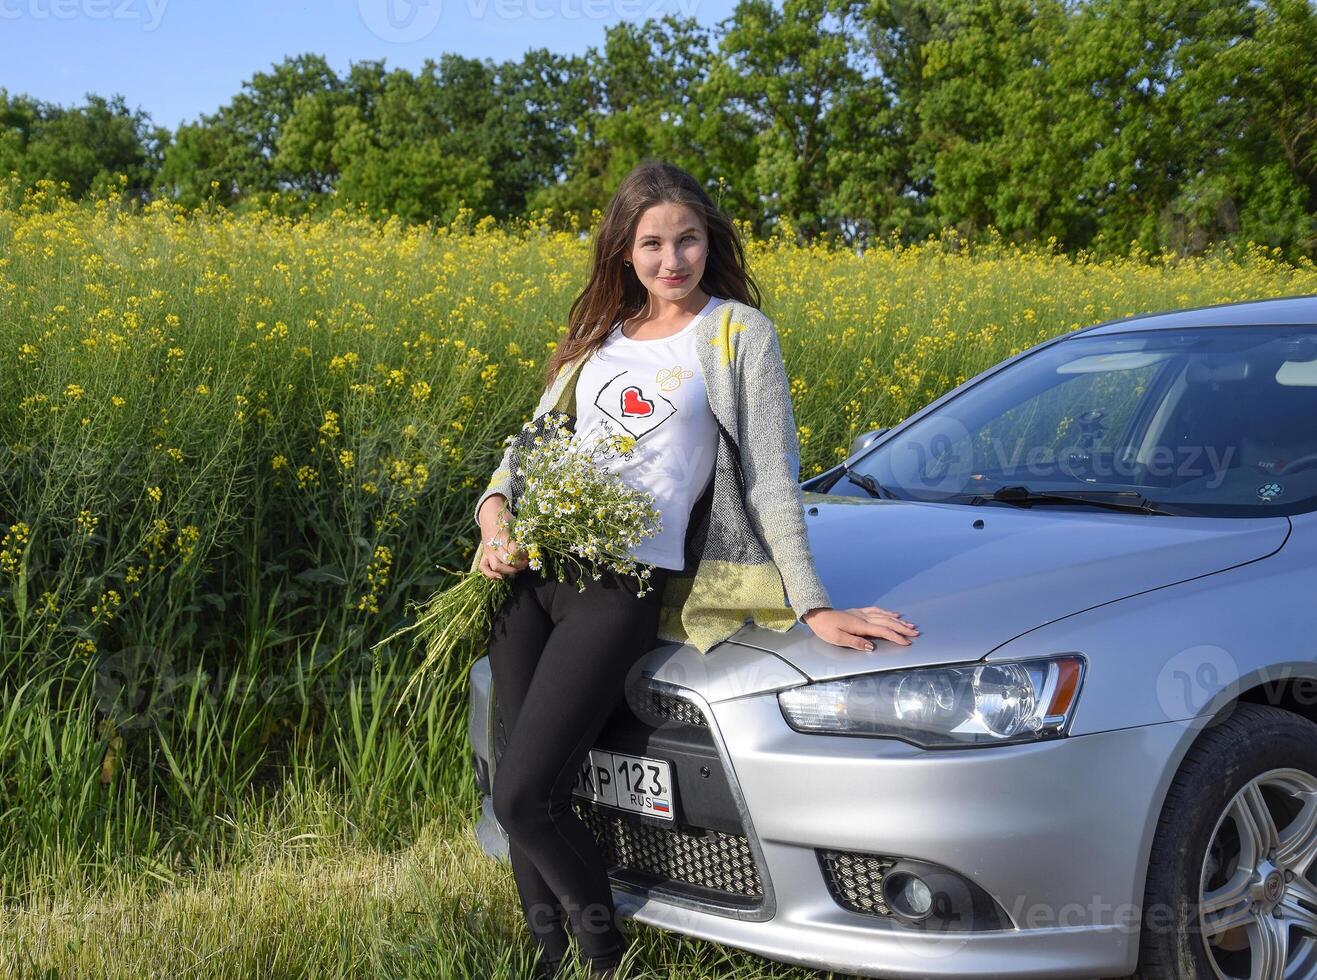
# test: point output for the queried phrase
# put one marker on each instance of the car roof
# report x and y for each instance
(1281, 311)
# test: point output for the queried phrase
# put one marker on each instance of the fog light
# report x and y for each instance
(913, 896)
(924, 895)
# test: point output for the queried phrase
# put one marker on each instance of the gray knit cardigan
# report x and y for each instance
(747, 551)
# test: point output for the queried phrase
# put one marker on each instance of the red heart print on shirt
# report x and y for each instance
(635, 404)
(621, 399)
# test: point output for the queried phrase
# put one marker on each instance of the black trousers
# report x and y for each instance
(560, 660)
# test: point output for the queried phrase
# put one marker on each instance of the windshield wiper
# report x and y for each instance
(864, 480)
(1124, 500)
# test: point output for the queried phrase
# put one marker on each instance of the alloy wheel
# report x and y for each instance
(1257, 900)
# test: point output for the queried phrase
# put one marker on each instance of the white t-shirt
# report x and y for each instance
(653, 390)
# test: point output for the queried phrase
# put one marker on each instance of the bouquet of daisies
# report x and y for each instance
(570, 510)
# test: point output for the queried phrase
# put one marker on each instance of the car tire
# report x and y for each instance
(1251, 741)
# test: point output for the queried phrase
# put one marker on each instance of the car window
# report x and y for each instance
(1218, 420)
(1051, 424)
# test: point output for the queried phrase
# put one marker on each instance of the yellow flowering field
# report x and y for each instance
(181, 387)
(236, 446)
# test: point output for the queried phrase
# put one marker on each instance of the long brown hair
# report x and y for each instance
(614, 290)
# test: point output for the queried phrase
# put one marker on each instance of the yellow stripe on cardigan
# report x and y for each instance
(723, 339)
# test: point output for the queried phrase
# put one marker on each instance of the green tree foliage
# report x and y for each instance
(986, 106)
(460, 133)
(236, 147)
(86, 146)
(1100, 124)
(1250, 102)
(802, 83)
(643, 97)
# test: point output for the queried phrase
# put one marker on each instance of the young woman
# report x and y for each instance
(666, 344)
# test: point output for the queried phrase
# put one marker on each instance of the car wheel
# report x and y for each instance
(1230, 889)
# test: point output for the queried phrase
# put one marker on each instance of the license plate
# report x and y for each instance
(629, 782)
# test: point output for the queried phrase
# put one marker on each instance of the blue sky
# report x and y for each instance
(179, 58)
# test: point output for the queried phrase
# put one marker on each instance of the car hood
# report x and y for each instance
(972, 578)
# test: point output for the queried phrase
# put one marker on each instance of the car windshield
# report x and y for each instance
(1217, 421)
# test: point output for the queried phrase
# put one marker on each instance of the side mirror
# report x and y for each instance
(866, 440)
(830, 476)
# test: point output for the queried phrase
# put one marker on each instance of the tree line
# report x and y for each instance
(1096, 124)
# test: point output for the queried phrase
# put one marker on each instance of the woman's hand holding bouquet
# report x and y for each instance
(499, 555)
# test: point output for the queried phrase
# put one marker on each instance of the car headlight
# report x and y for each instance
(942, 707)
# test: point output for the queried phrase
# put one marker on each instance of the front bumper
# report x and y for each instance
(1057, 833)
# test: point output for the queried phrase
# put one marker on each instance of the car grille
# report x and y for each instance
(855, 879)
(704, 863)
(669, 707)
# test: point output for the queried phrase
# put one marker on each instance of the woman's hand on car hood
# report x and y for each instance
(853, 627)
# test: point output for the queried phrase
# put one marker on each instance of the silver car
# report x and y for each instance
(1099, 757)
